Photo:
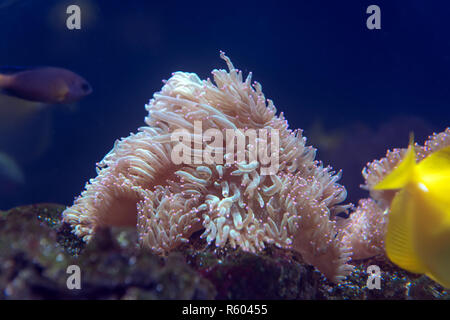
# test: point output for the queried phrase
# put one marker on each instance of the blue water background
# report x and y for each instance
(315, 59)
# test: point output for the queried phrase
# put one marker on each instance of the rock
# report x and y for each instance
(36, 250)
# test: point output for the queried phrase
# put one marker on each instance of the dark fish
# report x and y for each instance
(45, 84)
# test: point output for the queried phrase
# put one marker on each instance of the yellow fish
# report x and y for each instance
(418, 232)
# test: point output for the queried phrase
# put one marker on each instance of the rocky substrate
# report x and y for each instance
(36, 250)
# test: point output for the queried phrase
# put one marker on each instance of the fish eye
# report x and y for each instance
(85, 87)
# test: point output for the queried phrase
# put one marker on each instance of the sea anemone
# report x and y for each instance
(231, 198)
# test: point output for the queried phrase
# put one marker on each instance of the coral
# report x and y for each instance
(232, 199)
(365, 230)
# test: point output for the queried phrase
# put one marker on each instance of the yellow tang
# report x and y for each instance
(418, 232)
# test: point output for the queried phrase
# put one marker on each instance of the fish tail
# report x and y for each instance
(404, 172)
(5, 81)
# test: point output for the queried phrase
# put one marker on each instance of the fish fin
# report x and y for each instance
(436, 163)
(443, 282)
(399, 240)
(434, 173)
(401, 175)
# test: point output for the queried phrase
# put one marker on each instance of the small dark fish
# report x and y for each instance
(45, 84)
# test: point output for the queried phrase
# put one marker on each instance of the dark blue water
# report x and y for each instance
(315, 59)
